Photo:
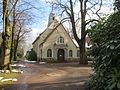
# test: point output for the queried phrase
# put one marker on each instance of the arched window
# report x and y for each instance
(49, 53)
(70, 53)
(61, 39)
(78, 53)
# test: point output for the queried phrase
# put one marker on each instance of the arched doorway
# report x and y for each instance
(61, 55)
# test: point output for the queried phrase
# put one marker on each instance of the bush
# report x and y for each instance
(19, 55)
(106, 51)
(32, 56)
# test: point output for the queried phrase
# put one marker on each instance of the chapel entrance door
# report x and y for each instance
(61, 55)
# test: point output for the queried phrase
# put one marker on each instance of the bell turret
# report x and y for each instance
(51, 18)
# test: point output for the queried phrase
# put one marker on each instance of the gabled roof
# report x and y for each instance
(49, 34)
(49, 27)
(37, 38)
(75, 42)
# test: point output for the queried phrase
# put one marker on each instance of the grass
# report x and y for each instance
(6, 76)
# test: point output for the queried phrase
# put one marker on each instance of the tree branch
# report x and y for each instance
(92, 20)
(13, 7)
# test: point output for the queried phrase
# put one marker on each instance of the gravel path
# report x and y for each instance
(52, 76)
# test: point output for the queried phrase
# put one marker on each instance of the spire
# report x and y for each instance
(51, 15)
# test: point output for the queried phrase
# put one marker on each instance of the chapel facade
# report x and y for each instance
(55, 43)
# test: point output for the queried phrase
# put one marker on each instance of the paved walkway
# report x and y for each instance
(52, 76)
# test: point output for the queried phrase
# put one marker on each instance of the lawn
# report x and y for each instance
(8, 76)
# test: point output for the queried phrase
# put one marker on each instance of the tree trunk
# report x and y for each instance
(15, 53)
(6, 35)
(81, 42)
(83, 57)
(12, 48)
(16, 46)
(12, 40)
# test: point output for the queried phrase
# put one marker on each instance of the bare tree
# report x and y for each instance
(20, 35)
(12, 36)
(19, 30)
(80, 20)
(6, 35)
(22, 17)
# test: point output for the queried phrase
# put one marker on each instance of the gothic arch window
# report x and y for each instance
(61, 39)
(70, 53)
(49, 53)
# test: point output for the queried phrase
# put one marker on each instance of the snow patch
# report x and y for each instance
(4, 71)
(42, 62)
(30, 61)
(9, 79)
(16, 71)
(17, 65)
(1, 78)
